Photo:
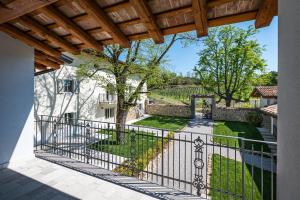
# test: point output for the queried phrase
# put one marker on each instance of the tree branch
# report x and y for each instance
(137, 48)
(166, 50)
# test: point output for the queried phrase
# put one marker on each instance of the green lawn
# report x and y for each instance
(239, 129)
(227, 176)
(164, 122)
(147, 146)
(143, 142)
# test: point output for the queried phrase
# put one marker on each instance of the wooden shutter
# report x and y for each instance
(76, 85)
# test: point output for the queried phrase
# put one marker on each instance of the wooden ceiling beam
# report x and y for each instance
(124, 24)
(40, 66)
(61, 3)
(118, 6)
(200, 17)
(46, 62)
(231, 19)
(170, 13)
(47, 57)
(29, 40)
(148, 19)
(46, 33)
(69, 25)
(3, 5)
(94, 10)
(215, 3)
(17, 8)
(125, 4)
(212, 22)
(111, 8)
(174, 12)
(189, 27)
(265, 13)
(171, 30)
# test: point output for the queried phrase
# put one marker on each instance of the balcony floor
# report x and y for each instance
(39, 179)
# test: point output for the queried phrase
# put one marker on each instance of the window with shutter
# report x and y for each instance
(68, 85)
(112, 113)
(109, 113)
(76, 85)
(69, 118)
(106, 113)
(59, 87)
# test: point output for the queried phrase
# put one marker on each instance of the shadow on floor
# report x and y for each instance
(14, 185)
(200, 122)
(144, 187)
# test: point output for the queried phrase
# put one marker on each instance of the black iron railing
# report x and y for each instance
(207, 165)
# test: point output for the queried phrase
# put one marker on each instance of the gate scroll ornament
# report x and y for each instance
(198, 182)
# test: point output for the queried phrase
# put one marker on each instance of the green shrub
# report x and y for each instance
(142, 161)
(254, 118)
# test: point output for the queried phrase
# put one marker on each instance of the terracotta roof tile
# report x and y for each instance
(265, 91)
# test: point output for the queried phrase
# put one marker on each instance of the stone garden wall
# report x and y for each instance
(132, 114)
(218, 113)
(231, 114)
(169, 110)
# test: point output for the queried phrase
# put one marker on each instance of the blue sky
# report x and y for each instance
(183, 60)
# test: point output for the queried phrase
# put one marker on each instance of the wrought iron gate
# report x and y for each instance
(197, 163)
(206, 102)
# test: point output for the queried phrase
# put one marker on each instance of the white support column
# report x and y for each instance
(288, 182)
(16, 100)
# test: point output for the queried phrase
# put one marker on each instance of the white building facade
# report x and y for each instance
(264, 96)
(61, 93)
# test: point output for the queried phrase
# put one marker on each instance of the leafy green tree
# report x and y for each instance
(266, 79)
(142, 61)
(229, 61)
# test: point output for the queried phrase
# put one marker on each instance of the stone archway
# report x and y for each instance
(206, 106)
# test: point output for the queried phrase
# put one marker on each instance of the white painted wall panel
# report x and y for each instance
(289, 100)
(16, 100)
(85, 104)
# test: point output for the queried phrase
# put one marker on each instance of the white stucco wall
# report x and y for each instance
(85, 103)
(288, 103)
(16, 100)
(267, 101)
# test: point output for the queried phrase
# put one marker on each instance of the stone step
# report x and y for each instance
(269, 138)
(274, 152)
(267, 135)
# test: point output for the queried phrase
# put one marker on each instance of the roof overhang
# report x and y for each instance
(270, 110)
(56, 26)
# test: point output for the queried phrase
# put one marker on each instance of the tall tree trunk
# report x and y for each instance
(121, 121)
(228, 101)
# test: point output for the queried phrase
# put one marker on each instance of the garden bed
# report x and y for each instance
(144, 149)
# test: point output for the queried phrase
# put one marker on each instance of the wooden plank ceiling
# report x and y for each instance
(56, 26)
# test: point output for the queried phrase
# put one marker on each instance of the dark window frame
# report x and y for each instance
(109, 113)
(69, 118)
(68, 86)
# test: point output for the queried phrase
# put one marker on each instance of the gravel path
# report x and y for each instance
(176, 163)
